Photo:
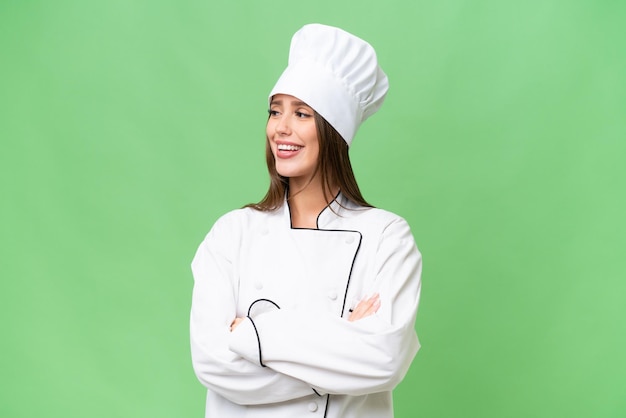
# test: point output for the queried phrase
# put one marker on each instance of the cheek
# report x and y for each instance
(311, 136)
(268, 128)
(316, 155)
(269, 149)
(315, 142)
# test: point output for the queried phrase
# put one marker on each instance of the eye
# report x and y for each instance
(302, 115)
(272, 112)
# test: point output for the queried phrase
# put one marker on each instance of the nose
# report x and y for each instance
(282, 125)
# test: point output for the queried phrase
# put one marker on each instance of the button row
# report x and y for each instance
(349, 240)
(332, 295)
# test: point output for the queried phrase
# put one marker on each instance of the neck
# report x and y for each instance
(306, 201)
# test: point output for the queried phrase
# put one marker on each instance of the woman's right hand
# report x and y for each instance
(235, 322)
(365, 308)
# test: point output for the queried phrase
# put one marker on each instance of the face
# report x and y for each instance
(292, 137)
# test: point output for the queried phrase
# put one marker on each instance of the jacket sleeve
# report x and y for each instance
(212, 312)
(334, 355)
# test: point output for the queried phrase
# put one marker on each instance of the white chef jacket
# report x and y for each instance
(296, 354)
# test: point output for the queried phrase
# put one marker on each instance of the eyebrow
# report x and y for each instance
(294, 103)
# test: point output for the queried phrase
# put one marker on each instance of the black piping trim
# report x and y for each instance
(258, 338)
(317, 220)
(261, 300)
(345, 295)
(327, 402)
(289, 210)
(316, 392)
(318, 215)
(259, 341)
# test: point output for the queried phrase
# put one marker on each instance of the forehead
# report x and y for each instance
(286, 99)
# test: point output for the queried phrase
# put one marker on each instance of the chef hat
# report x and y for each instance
(335, 73)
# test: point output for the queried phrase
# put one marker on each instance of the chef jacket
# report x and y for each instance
(296, 354)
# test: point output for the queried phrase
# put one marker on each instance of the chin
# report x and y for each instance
(286, 172)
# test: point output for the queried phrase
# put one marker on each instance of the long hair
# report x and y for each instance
(333, 166)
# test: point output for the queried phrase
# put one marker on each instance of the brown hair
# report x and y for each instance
(333, 166)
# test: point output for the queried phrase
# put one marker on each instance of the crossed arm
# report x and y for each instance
(363, 309)
(363, 353)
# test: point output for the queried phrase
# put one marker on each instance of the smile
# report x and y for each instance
(287, 147)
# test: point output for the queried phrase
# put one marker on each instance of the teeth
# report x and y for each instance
(285, 147)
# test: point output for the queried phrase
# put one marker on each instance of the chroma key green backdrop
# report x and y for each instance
(128, 126)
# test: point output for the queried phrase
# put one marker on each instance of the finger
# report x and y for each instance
(375, 307)
(371, 308)
(365, 312)
(360, 309)
(365, 308)
(234, 324)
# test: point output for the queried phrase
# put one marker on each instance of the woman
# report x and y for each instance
(304, 304)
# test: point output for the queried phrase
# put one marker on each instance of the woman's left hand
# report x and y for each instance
(365, 308)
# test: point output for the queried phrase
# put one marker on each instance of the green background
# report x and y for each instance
(128, 127)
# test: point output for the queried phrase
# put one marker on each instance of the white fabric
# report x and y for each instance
(317, 362)
(335, 73)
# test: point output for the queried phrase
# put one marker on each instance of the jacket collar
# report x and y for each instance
(339, 207)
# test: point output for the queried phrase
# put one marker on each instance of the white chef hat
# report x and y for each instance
(335, 73)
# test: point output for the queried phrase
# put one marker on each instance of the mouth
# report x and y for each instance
(288, 147)
(285, 151)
